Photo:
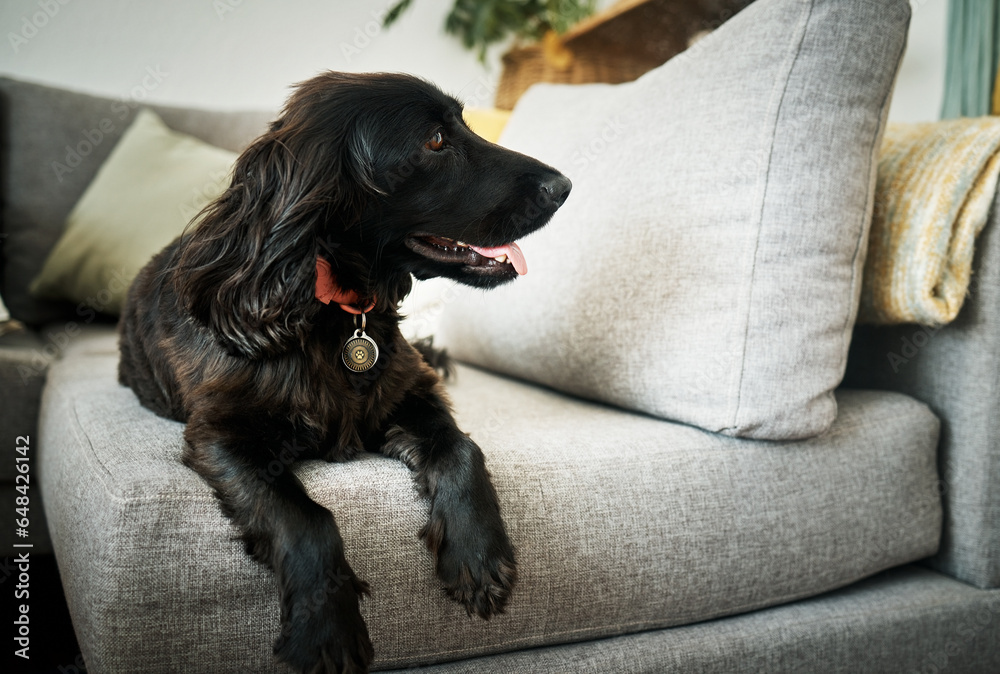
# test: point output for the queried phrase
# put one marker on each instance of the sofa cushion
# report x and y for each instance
(153, 183)
(707, 266)
(908, 619)
(622, 523)
(52, 142)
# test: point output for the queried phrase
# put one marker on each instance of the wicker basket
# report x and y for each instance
(618, 45)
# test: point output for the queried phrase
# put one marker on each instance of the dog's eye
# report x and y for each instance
(436, 143)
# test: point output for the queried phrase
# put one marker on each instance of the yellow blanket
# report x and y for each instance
(936, 183)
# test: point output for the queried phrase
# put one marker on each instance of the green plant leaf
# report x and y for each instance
(394, 12)
(481, 23)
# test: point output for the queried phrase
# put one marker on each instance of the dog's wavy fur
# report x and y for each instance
(222, 330)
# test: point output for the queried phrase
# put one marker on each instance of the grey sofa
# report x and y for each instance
(644, 545)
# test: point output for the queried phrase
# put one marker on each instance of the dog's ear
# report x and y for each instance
(359, 160)
(248, 268)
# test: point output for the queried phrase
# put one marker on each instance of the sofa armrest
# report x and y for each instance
(956, 371)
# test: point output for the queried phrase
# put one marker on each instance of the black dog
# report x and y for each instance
(241, 329)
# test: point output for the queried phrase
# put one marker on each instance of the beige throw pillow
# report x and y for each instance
(707, 266)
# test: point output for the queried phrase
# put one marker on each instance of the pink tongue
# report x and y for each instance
(513, 253)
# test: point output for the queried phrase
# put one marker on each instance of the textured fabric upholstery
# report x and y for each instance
(52, 142)
(707, 266)
(622, 523)
(905, 620)
(955, 370)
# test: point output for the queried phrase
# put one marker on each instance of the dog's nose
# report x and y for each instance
(556, 188)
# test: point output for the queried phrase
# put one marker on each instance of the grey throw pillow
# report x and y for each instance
(707, 266)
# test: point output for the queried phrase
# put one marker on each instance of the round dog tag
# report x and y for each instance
(360, 352)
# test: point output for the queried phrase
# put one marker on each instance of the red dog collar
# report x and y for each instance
(328, 291)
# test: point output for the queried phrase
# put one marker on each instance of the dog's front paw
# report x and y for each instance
(475, 559)
(324, 632)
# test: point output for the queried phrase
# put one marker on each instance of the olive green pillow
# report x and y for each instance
(151, 185)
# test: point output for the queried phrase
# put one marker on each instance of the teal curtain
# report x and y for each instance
(971, 65)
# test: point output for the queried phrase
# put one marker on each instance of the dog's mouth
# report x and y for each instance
(495, 260)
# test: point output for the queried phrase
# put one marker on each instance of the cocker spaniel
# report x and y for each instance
(272, 323)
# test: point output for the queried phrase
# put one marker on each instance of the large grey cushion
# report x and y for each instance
(707, 265)
(622, 523)
(52, 142)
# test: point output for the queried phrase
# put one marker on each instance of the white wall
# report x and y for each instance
(920, 83)
(232, 54)
(228, 54)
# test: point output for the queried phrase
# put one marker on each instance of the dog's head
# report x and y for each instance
(380, 176)
(443, 201)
